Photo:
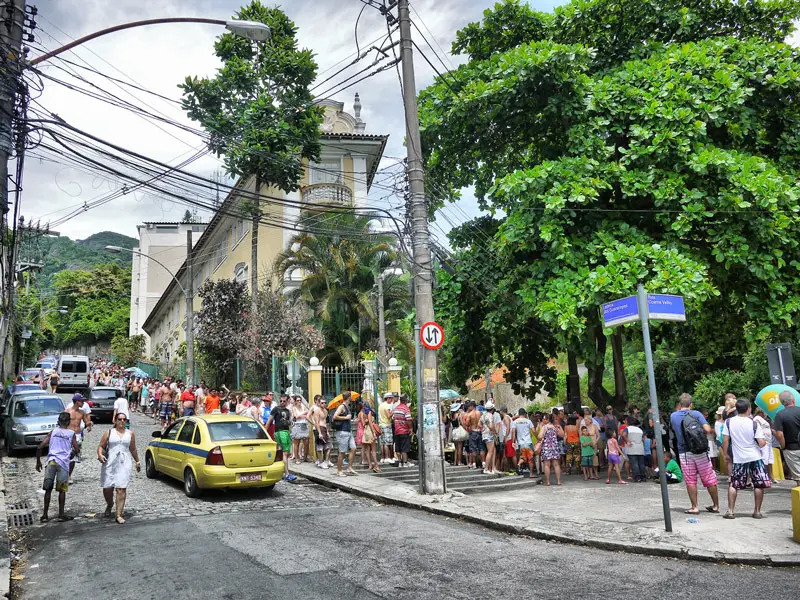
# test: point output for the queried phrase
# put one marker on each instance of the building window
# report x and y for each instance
(221, 254)
(326, 172)
(166, 228)
(240, 272)
(241, 230)
(198, 228)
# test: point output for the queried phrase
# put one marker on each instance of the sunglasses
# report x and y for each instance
(121, 419)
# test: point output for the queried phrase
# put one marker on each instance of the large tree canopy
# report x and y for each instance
(627, 141)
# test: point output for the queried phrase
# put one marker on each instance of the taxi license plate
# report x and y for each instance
(249, 477)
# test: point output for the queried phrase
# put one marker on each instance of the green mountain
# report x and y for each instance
(60, 253)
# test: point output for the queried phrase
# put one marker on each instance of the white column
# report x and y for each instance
(291, 214)
(360, 180)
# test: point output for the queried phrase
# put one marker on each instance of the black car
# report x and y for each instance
(101, 401)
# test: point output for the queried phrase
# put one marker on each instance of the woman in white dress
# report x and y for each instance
(117, 452)
(767, 456)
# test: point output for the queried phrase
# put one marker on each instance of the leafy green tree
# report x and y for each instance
(278, 326)
(258, 109)
(128, 349)
(630, 141)
(339, 263)
(222, 322)
(97, 304)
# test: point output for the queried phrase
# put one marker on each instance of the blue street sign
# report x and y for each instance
(663, 307)
(619, 312)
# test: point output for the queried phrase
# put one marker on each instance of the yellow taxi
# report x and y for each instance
(214, 451)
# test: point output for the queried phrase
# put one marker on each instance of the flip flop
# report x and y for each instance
(728, 515)
(711, 509)
(65, 518)
(350, 473)
(691, 512)
(120, 520)
(758, 516)
(43, 519)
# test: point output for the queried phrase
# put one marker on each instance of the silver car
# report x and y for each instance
(28, 418)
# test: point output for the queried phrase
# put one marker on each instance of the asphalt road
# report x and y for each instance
(306, 541)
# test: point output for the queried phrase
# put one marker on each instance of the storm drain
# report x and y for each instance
(20, 514)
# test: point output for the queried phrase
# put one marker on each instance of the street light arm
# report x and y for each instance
(155, 260)
(130, 25)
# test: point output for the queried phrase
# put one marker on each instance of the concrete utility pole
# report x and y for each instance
(190, 374)
(430, 437)
(12, 15)
(381, 321)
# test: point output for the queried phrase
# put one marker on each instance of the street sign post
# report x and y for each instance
(781, 364)
(643, 307)
(431, 335)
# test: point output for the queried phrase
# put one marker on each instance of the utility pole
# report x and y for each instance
(190, 374)
(12, 15)
(430, 437)
(381, 321)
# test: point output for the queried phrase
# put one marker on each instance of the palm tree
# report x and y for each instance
(340, 257)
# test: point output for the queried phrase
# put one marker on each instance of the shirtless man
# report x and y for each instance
(472, 423)
(322, 439)
(167, 397)
(136, 392)
(78, 418)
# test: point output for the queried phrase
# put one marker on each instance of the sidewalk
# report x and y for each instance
(613, 517)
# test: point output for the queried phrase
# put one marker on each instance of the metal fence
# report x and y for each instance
(287, 375)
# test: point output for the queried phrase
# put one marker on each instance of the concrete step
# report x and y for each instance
(501, 485)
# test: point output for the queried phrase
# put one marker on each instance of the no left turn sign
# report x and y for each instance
(431, 335)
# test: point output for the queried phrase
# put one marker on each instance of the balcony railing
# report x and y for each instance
(327, 193)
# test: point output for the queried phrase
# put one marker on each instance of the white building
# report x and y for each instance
(166, 242)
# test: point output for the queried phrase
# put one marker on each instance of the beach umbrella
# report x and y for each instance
(448, 394)
(340, 398)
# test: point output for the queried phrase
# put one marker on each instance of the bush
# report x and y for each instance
(710, 390)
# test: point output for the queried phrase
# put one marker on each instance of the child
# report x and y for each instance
(614, 458)
(587, 453)
(673, 469)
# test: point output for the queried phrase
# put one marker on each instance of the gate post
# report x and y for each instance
(394, 371)
(314, 378)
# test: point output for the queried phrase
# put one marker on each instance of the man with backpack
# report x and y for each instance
(690, 429)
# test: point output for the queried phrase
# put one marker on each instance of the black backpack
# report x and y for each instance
(693, 435)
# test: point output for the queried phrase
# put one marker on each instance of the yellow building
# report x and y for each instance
(347, 165)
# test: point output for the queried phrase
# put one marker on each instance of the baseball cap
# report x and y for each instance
(490, 405)
(78, 396)
(720, 410)
(455, 407)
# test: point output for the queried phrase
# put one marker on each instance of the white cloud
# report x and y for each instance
(159, 57)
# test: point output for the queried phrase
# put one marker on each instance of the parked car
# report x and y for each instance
(15, 388)
(28, 418)
(32, 375)
(101, 401)
(73, 371)
(46, 365)
(215, 451)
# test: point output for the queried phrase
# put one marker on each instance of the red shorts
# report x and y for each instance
(510, 452)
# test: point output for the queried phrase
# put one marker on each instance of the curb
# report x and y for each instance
(661, 550)
(5, 546)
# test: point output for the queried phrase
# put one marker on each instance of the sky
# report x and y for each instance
(159, 57)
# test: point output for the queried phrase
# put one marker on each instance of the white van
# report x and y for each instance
(73, 372)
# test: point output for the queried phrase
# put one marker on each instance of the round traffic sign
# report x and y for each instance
(431, 335)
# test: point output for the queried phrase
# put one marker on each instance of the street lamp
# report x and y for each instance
(251, 30)
(189, 308)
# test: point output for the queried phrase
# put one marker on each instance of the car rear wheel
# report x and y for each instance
(150, 466)
(190, 484)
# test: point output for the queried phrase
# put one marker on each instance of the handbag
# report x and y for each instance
(376, 430)
(460, 434)
(105, 446)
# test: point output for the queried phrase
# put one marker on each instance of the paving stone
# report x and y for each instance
(160, 498)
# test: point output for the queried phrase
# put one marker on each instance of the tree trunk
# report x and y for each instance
(254, 244)
(596, 367)
(573, 383)
(620, 382)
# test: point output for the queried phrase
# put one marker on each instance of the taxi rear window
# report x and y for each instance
(236, 430)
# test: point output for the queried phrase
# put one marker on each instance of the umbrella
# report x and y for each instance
(448, 394)
(339, 399)
(137, 372)
(768, 399)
